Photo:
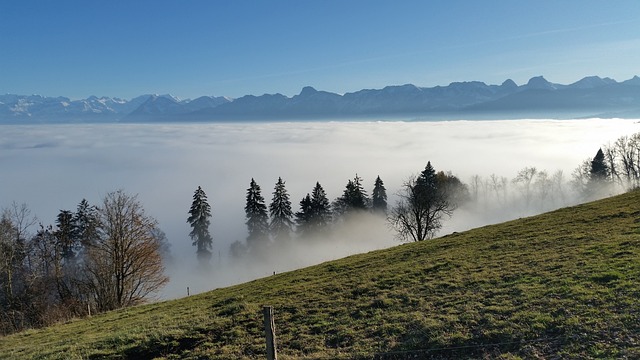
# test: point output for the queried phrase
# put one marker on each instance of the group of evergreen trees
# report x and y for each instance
(277, 223)
(424, 200)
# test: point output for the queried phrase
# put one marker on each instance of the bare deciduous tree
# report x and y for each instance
(524, 180)
(124, 265)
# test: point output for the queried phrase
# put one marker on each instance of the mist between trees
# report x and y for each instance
(112, 255)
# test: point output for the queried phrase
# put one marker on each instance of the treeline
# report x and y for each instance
(617, 163)
(614, 168)
(95, 259)
(424, 200)
(277, 224)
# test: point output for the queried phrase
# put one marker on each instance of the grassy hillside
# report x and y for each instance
(563, 284)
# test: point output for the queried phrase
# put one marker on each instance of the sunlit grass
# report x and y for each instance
(563, 284)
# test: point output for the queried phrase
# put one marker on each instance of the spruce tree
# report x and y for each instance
(199, 215)
(303, 217)
(598, 177)
(353, 198)
(85, 222)
(320, 208)
(65, 234)
(599, 169)
(427, 182)
(379, 197)
(281, 213)
(257, 217)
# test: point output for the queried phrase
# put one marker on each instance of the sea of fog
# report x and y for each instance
(53, 167)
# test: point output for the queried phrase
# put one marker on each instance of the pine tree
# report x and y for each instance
(353, 198)
(256, 214)
(599, 169)
(281, 213)
(199, 215)
(85, 222)
(66, 234)
(598, 177)
(320, 208)
(379, 197)
(427, 182)
(303, 217)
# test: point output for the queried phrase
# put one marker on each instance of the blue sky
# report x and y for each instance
(232, 48)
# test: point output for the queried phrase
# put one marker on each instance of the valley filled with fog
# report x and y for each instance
(53, 167)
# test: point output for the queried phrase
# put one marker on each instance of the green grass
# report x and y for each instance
(565, 284)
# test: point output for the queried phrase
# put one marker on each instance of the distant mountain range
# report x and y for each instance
(590, 97)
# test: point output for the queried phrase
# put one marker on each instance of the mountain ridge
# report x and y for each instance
(591, 96)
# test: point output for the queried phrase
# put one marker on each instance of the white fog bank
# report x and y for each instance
(53, 167)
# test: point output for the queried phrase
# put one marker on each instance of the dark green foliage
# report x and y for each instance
(427, 182)
(303, 217)
(257, 217)
(320, 208)
(457, 192)
(199, 215)
(315, 212)
(599, 169)
(281, 213)
(66, 234)
(424, 201)
(379, 197)
(85, 223)
(354, 198)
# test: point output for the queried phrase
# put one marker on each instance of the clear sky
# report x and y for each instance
(125, 48)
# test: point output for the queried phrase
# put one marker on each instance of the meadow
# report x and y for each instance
(563, 284)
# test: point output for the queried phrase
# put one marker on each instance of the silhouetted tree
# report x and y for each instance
(379, 197)
(66, 234)
(303, 217)
(199, 215)
(599, 169)
(257, 217)
(281, 213)
(423, 202)
(320, 208)
(354, 198)
(85, 223)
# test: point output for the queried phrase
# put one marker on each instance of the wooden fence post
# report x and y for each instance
(270, 333)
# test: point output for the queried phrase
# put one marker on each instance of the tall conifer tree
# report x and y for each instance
(199, 216)
(85, 223)
(257, 217)
(599, 169)
(303, 217)
(320, 208)
(66, 234)
(379, 197)
(281, 213)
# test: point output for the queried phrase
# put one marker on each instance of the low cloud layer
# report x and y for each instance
(53, 167)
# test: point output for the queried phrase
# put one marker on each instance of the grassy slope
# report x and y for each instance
(563, 284)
